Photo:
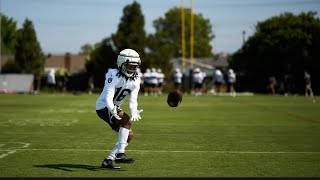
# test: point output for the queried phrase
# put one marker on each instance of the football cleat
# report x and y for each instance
(108, 163)
(122, 158)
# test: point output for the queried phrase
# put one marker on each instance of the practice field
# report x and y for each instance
(209, 136)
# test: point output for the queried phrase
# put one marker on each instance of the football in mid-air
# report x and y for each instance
(174, 98)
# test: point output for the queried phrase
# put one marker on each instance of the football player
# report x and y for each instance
(231, 81)
(177, 79)
(160, 80)
(198, 78)
(120, 83)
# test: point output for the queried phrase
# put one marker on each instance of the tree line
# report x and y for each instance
(283, 47)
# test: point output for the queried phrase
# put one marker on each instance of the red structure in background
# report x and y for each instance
(67, 61)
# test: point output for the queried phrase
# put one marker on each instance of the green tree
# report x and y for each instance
(158, 56)
(130, 33)
(8, 35)
(166, 42)
(101, 58)
(28, 53)
(282, 45)
(168, 32)
(86, 49)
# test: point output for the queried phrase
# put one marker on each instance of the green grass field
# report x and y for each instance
(209, 136)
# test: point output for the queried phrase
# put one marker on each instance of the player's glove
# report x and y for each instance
(114, 113)
(135, 116)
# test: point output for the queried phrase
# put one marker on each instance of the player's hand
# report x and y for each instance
(136, 115)
(114, 113)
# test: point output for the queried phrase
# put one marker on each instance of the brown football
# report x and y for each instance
(174, 98)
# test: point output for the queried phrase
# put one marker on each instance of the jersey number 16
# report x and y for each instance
(121, 93)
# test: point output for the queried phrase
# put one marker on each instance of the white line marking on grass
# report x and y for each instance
(168, 151)
(11, 151)
(24, 145)
(8, 153)
(40, 121)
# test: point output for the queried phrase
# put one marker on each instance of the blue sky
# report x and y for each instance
(65, 25)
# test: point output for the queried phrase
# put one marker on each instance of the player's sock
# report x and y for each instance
(122, 139)
(113, 152)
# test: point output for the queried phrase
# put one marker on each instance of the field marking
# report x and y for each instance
(167, 151)
(67, 110)
(40, 122)
(8, 153)
(14, 149)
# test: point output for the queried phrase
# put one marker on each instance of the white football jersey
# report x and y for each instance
(231, 77)
(199, 77)
(147, 76)
(153, 79)
(115, 89)
(177, 77)
(160, 77)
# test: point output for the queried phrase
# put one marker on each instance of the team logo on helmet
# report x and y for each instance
(109, 79)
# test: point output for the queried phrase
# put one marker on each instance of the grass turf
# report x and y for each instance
(208, 136)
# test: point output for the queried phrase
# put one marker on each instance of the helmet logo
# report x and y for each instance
(109, 79)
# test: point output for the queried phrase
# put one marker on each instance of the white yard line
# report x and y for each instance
(8, 153)
(13, 150)
(24, 147)
(169, 151)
